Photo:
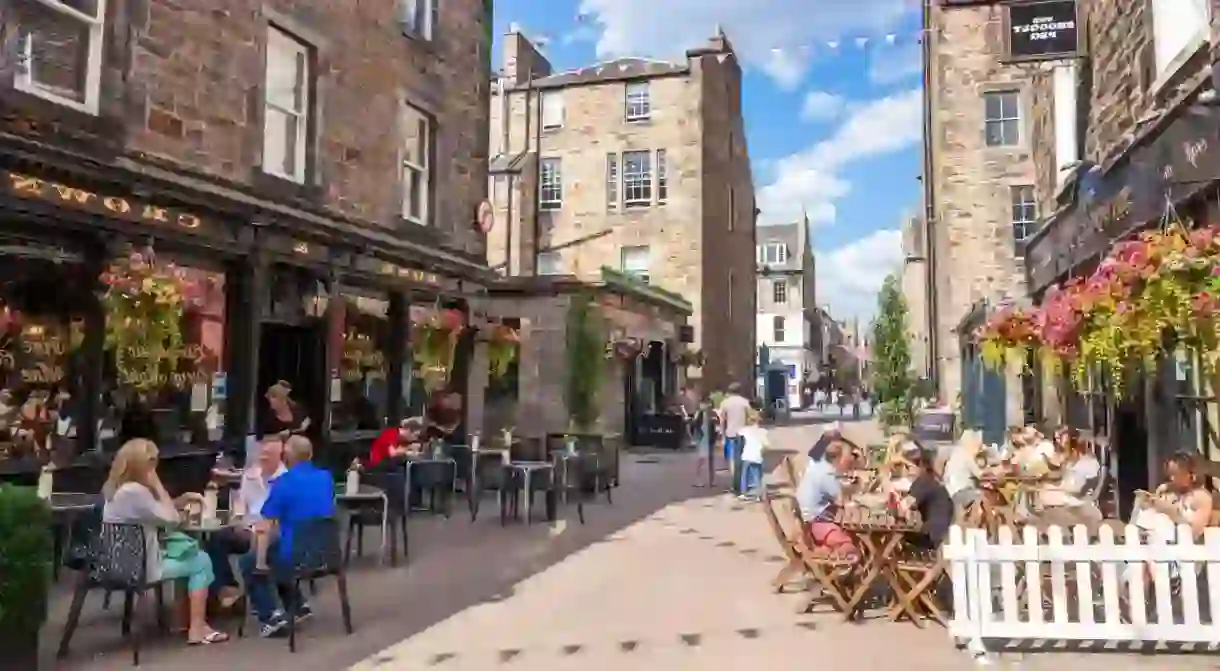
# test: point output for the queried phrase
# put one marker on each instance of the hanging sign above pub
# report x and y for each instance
(1041, 30)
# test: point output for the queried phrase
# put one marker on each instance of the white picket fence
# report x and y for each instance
(1083, 589)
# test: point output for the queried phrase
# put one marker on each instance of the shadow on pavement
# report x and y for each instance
(455, 564)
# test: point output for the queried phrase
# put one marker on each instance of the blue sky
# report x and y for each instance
(832, 105)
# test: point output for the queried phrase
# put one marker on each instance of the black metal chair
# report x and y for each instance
(436, 479)
(463, 459)
(489, 474)
(585, 477)
(116, 559)
(392, 481)
(315, 554)
(546, 481)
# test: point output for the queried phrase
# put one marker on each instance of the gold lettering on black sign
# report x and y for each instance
(26, 186)
(411, 274)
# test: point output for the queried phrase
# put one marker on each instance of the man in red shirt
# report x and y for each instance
(393, 444)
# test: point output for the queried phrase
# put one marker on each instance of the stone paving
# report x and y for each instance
(669, 577)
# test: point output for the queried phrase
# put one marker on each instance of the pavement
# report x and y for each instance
(667, 577)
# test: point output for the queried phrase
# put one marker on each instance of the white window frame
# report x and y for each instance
(625, 254)
(1174, 38)
(549, 263)
(26, 80)
(612, 178)
(1063, 85)
(301, 115)
(779, 330)
(1003, 119)
(779, 292)
(552, 110)
(550, 179)
(424, 169)
(1021, 206)
(774, 253)
(637, 180)
(662, 177)
(637, 101)
(419, 25)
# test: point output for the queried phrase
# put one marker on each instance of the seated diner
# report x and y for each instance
(820, 495)
(963, 471)
(929, 498)
(1072, 499)
(393, 445)
(134, 494)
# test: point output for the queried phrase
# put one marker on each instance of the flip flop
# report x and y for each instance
(213, 637)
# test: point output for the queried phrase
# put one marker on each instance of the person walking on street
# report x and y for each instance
(704, 425)
(733, 412)
(754, 442)
(689, 405)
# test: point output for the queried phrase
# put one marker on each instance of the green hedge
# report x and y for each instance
(25, 558)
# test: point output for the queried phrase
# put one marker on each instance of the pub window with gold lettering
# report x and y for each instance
(44, 295)
(164, 375)
(362, 364)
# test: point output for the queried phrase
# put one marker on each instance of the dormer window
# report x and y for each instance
(773, 253)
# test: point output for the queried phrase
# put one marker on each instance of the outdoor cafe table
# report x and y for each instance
(881, 537)
(363, 496)
(527, 470)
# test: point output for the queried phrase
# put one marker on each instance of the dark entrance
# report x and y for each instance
(1131, 452)
(292, 353)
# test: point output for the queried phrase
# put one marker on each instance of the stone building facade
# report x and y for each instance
(787, 304)
(635, 164)
(982, 168)
(914, 285)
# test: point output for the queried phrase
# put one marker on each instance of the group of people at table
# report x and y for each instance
(964, 481)
(279, 490)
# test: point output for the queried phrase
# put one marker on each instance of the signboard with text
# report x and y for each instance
(1042, 30)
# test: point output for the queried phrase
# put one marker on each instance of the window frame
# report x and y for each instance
(24, 79)
(781, 253)
(623, 254)
(1002, 120)
(425, 13)
(641, 181)
(1165, 70)
(555, 185)
(303, 116)
(1019, 207)
(642, 104)
(612, 180)
(425, 170)
(556, 95)
(779, 291)
(555, 258)
(662, 177)
(779, 330)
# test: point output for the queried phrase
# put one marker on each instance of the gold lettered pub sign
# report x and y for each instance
(129, 209)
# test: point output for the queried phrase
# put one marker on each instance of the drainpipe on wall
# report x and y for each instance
(538, 176)
(929, 199)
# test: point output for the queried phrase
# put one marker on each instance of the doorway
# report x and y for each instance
(292, 353)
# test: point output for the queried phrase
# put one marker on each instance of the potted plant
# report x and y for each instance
(586, 364)
(25, 563)
(434, 344)
(502, 349)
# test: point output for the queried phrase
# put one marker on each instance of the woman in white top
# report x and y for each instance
(962, 471)
(134, 495)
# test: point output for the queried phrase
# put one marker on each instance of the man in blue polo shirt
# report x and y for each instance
(302, 493)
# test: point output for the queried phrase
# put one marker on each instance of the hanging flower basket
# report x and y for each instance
(502, 349)
(434, 344)
(144, 303)
(692, 358)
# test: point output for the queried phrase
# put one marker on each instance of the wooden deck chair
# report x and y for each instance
(790, 471)
(916, 576)
(831, 574)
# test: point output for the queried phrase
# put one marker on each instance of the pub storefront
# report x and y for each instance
(133, 306)
(1169, 176)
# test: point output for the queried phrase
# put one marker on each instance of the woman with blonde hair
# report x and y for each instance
(135, 495)
(286, 416)
(962, 471)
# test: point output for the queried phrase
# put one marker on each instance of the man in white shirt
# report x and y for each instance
(236, 539)
(734, 410)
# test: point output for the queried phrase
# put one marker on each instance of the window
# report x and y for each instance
(416, 165)
(60, 43)
(611, 181)
(363, 365)
(774, 252)
(1002, 110)
(550, 263)
(777, 324)
(779, 291)
(1177, 27)
(637, 178)
(418, 17)
(552, 110)
(1063, 82)
(639, 106)
(550, 187)
(286, 118)
(662, 180)
(1024, 213)
(791, 371)
(634, 261)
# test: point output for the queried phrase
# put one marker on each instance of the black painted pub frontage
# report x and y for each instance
(1170, 174)
(277, 293)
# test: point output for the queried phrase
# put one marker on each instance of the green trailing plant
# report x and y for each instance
(25, 559)
(891, 369)
(586, 365)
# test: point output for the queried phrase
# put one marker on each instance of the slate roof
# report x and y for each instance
(615, 70)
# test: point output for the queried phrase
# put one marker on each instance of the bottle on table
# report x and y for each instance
(352, 485)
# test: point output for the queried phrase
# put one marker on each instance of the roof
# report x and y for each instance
(619, 69)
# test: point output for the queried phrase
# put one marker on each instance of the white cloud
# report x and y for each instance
(849, 277)
(822, 106)
(767, 34)
(895, 64)
(810, 181)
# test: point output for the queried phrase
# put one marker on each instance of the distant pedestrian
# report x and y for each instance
(733, 411)
(754, 442)
(706, 425)
(819, 399)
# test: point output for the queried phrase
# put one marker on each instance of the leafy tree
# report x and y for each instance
(891, 370)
